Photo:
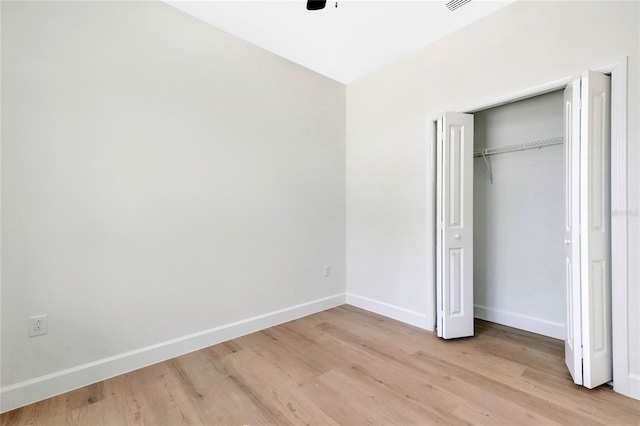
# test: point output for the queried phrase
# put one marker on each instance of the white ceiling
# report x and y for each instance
(343, 43)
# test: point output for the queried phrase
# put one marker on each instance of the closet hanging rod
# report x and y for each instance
(519, 147)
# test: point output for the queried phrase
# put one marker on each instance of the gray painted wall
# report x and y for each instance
(159, 178)
(518, 220)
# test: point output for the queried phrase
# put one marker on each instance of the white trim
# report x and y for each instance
(0, 196)
(431, 237)
(632, 385)
(390, 311)
(538, 90)
(29, 391)
(623, 381)
(523, 322)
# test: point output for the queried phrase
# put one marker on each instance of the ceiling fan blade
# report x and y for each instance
(316, 4)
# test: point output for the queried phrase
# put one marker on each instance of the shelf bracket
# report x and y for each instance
(487, 165)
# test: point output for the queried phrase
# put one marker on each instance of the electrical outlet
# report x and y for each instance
(38, 325)
(327, 270)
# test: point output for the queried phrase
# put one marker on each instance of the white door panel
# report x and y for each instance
(573, 340)
(595, 229)
(454, 270)
(588, 349)
(439, 230)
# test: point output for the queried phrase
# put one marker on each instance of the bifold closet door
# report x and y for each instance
(573, 337)
(454, 240)
(588, 349)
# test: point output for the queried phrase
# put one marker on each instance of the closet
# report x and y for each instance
(518, 215)
(523, 222)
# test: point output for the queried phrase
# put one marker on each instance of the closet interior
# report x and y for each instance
(518, 215)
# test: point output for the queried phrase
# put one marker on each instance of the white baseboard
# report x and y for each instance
(633, 386)
(627, 384)
(29, 391)
(391, 311)
(523, 322)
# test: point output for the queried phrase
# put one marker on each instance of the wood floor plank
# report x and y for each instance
(346, 366)
(496, 393)
(443, 386)
(277, 390)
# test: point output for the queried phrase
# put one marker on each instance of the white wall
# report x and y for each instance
(518, 250)
(389, 194)
(159, 178)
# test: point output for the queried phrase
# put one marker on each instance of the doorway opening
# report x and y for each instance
(518, 215)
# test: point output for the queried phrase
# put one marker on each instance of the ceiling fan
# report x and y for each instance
(316, 4)
(320, 4)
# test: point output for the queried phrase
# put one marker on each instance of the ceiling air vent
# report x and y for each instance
(454, 4)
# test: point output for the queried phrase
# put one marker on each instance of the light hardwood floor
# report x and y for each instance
(351, 367)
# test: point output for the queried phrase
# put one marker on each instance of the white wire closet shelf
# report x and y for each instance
(484, 153)
(518, 147)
